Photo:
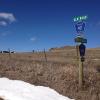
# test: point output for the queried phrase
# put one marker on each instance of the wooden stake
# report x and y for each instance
(9, 53)
(80, 68)
(45, 55)
(80, 74)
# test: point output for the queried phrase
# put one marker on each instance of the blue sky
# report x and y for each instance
(37, 24)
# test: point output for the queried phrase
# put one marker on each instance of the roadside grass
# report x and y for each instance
(60, 72)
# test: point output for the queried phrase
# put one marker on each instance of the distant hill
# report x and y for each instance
(97, 48)
(58, 49)
(72, 49)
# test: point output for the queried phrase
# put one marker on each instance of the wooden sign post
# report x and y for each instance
(80, 73)
(80, 55)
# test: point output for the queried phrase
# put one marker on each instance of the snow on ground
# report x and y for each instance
(19, 90)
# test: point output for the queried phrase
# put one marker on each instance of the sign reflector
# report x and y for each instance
(82, 49)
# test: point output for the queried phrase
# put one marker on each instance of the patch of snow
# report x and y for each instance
(20, 90)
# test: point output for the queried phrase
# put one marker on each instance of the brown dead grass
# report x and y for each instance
(60, 72)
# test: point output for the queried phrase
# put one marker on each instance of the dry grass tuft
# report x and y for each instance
(1, 98)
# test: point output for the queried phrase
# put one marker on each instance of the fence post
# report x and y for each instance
(45, 55)
(9, 53)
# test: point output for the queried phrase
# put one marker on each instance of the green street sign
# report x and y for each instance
(80, 18)
(80, 40)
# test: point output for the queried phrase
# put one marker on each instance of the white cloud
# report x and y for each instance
(33, 39)
(6, 18)
(3, 23)
(6, 33)
(98, 23)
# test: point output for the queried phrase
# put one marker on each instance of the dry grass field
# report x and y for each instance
(60, 72)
